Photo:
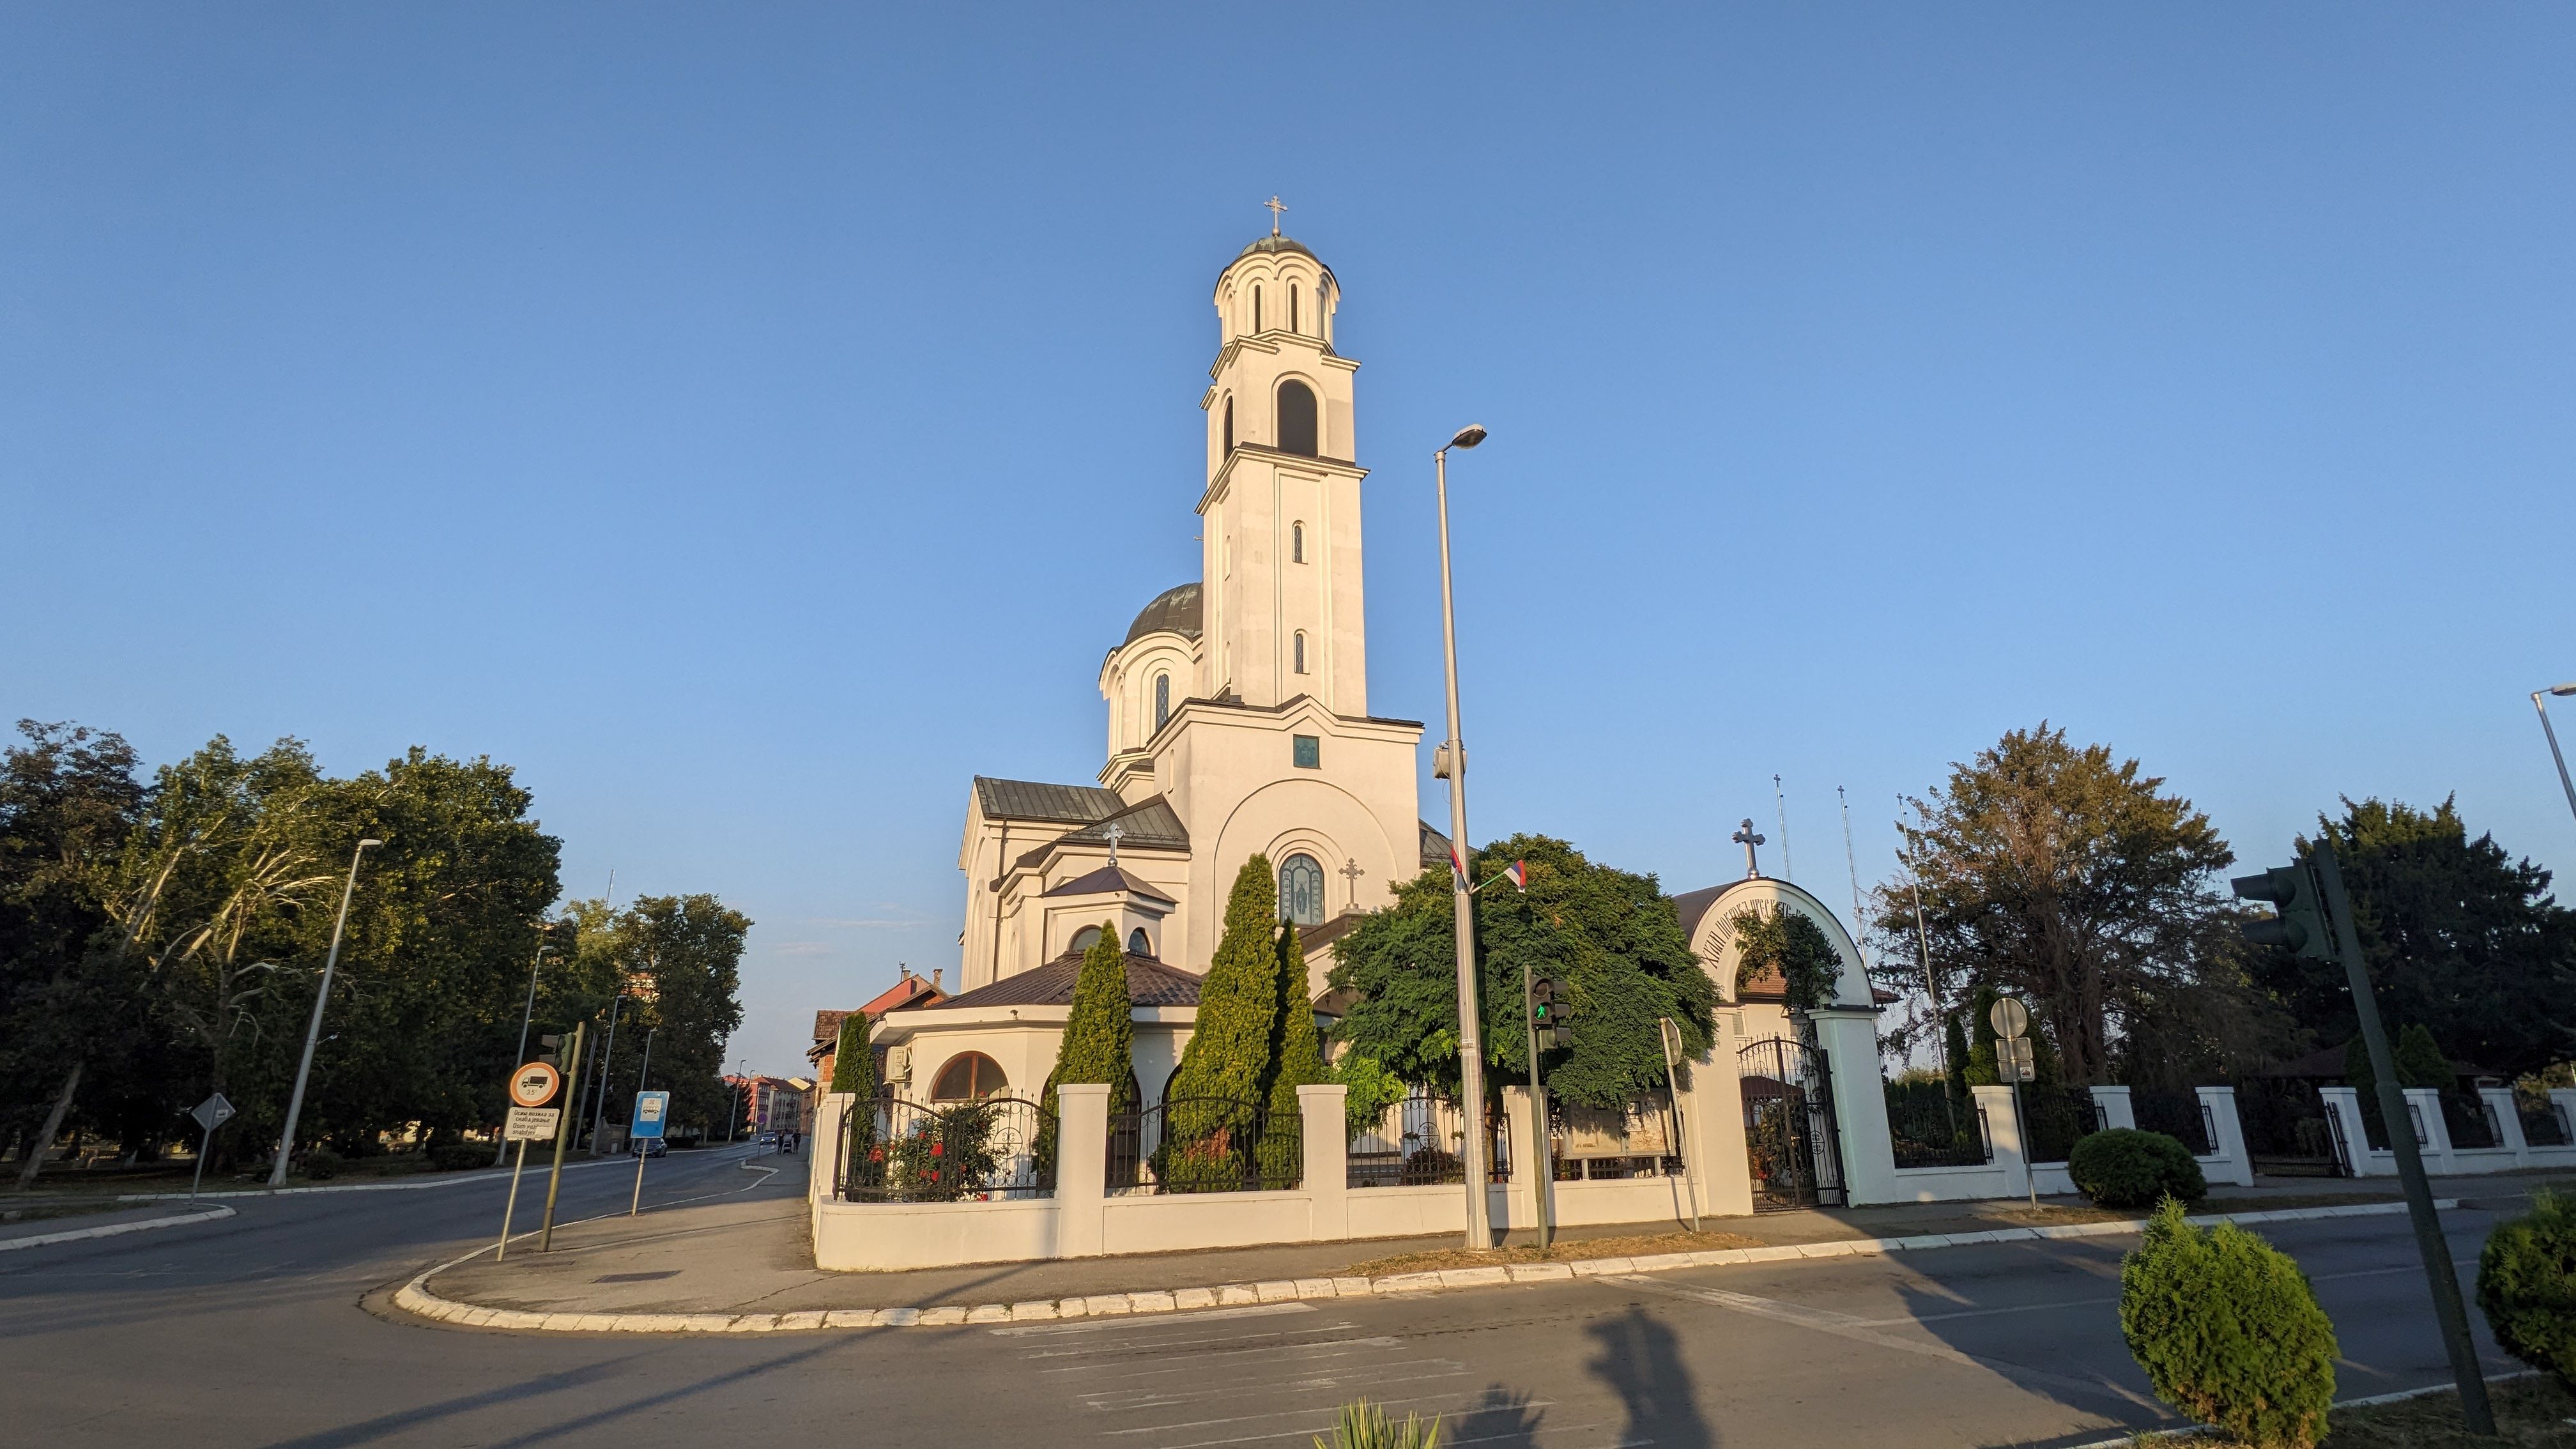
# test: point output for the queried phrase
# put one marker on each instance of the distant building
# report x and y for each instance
(910, 991)
(777, 1104)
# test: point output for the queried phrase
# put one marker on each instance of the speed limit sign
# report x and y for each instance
(535, 1084)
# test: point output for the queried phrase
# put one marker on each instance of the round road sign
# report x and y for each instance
(2010, 1017)
(535, 1084)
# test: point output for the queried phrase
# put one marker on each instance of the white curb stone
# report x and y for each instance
(113, 1230)
(415, 1296)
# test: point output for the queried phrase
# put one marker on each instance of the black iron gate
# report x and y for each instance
(2289, 1130)
(1789, 1126)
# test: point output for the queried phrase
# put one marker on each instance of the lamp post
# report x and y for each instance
(607, 1058)
(1471, 1052)
(501, 1148)
(313, 1032)
(2538, 702)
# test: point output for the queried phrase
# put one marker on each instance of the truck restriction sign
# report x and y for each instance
(535, 1084)
(531, 1124)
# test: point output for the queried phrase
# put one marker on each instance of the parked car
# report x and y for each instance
(648, 1146)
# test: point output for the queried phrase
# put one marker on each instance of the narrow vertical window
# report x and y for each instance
(1292, 306)
(1256, 309)
(1229, 426)
(1162, 699)
(1301, 651)
(1297, 543)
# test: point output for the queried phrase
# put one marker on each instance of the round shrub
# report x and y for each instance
(2126, 1168)
(322, 1163)
(2527, 1285)
(457, 1157)
(2228, 1331)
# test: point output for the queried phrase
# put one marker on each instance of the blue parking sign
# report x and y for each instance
(651, 1109)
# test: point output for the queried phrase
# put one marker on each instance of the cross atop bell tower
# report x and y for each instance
(1275, 209)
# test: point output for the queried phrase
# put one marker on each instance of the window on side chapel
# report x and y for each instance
(1296, 543)
(1300, 651)
(1301, 890)
(1137, 945)
(1296, 418)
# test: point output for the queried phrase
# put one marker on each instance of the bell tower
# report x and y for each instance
(1280, 520)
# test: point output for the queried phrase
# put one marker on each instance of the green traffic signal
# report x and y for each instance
(2299, 924)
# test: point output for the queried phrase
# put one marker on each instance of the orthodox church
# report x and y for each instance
(1237, 723)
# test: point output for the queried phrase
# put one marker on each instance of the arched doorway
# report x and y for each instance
(1789, 1136)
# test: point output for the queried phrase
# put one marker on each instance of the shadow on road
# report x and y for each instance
(1640, 1360)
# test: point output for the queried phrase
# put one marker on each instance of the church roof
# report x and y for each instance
(1273, 242)
(1107, 879)
(1034, 800)
(1175, 609)
(1435, 846)
(1149, 983)
(1149, 824)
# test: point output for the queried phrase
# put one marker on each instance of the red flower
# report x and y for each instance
(936, 1148)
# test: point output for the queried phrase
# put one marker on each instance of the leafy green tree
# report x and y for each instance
(1297, 1060)
(1368, 1090)
(678, 960)
(2419, 1063)
(2459, 937)
(1611, 936)
(2072, 880)
(1774, 939)
(1229, 1054)
(69, 1001)
(1099, 1041)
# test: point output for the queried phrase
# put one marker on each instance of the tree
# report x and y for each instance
(2070, 879)
(1229, 1054)
(1611, 936)
(1099, 1041)
(2419, 1063)
(1296, 1058)
(2459, 938)
(854, 1068)
(678, 959)
(1783, 941)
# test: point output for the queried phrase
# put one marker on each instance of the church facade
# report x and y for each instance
(1237, 723)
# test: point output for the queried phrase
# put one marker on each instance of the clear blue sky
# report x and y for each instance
(751, 423)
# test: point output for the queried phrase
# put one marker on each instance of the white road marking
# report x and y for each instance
(1190, 1364)
(1160, 1320)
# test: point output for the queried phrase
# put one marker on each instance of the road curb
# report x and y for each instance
(442, 1179)
(110, 1230)
(416, 1297)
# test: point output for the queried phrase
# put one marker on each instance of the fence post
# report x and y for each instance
(1081, 1167)
(2345, 1104)
(2117, 1108)
(2004, 1136)
(2564, 1099)
(2508, 1122)
(1326, 1164)
(823, 1164)
(1713, 1115)
(1849, 1035)
(2425, 1103)
(2227, 1151)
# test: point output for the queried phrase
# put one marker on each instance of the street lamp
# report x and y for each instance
(2562, 691)
(501, 1148)
(313, 1032)
(1471, 1053)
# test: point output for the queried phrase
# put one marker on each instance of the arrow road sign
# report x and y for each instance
(535, 1084)
(213, 1112)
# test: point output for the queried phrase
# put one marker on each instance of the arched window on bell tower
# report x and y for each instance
(1301, 651)
(1229, 425)
(1256, 307)
(1292, 307)
(1296, 418)
(1162, 700)
(1297, 542)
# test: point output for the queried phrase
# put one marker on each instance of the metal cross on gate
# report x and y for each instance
(1746, 838)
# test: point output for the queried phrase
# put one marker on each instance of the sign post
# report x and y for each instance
(563, 1129)
(531, 1086)
(211, 1113)
(652, 1112)
(2016, 1062)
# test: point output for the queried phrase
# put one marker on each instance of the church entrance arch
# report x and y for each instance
(1789, 1136)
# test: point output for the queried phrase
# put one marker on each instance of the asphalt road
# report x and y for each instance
(270, 1329)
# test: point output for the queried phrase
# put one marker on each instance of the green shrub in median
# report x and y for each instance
(2126, 1168)
(2527, 1285)
(2228, 1331)
(457, 1157)
(1365, 1426)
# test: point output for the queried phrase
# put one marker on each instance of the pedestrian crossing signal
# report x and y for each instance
(1551, 1013)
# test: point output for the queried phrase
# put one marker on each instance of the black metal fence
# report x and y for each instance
(896, 1150)
(2469, 1120)
(1421, 1142)
(2288, 1131)
(1205, 1144)
(2543, 1124)
(1930, 1129)
(2058, 1118)
(1640, 1138)
(2182, 1116)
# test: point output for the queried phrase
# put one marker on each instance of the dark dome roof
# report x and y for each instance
(1175, 608)
(1269, 243)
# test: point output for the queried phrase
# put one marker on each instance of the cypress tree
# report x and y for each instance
(1297, 1060)
(1229, 1054)
(1099, 1041)
(853, 1060)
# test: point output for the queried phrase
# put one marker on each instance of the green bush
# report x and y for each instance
(2527, 1285)
(2228, 1331)
(1365, 1426)
(457, 1157)
(322, 1163)
(2126, 1168)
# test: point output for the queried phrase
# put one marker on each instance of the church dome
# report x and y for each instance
(1175, 609)
(1273, 244)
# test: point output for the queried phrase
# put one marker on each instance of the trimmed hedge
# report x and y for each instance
(2228, 1331)
(2527, 1285)
(2126, 1168)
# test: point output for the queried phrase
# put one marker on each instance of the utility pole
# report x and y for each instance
(1471, 1048)
(607, 1058)
(563, 1136)
(313, 1031)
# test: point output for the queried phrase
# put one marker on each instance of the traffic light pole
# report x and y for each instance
(2439, 1275)
(563, 1134)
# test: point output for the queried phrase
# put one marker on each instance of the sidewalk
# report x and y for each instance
(751, 1255)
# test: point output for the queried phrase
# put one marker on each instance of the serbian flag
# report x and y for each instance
(1518, 875)
(1458, 866)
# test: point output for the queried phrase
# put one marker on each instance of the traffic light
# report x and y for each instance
(1551, 1015)
(2300, 924)
(550, 1049)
